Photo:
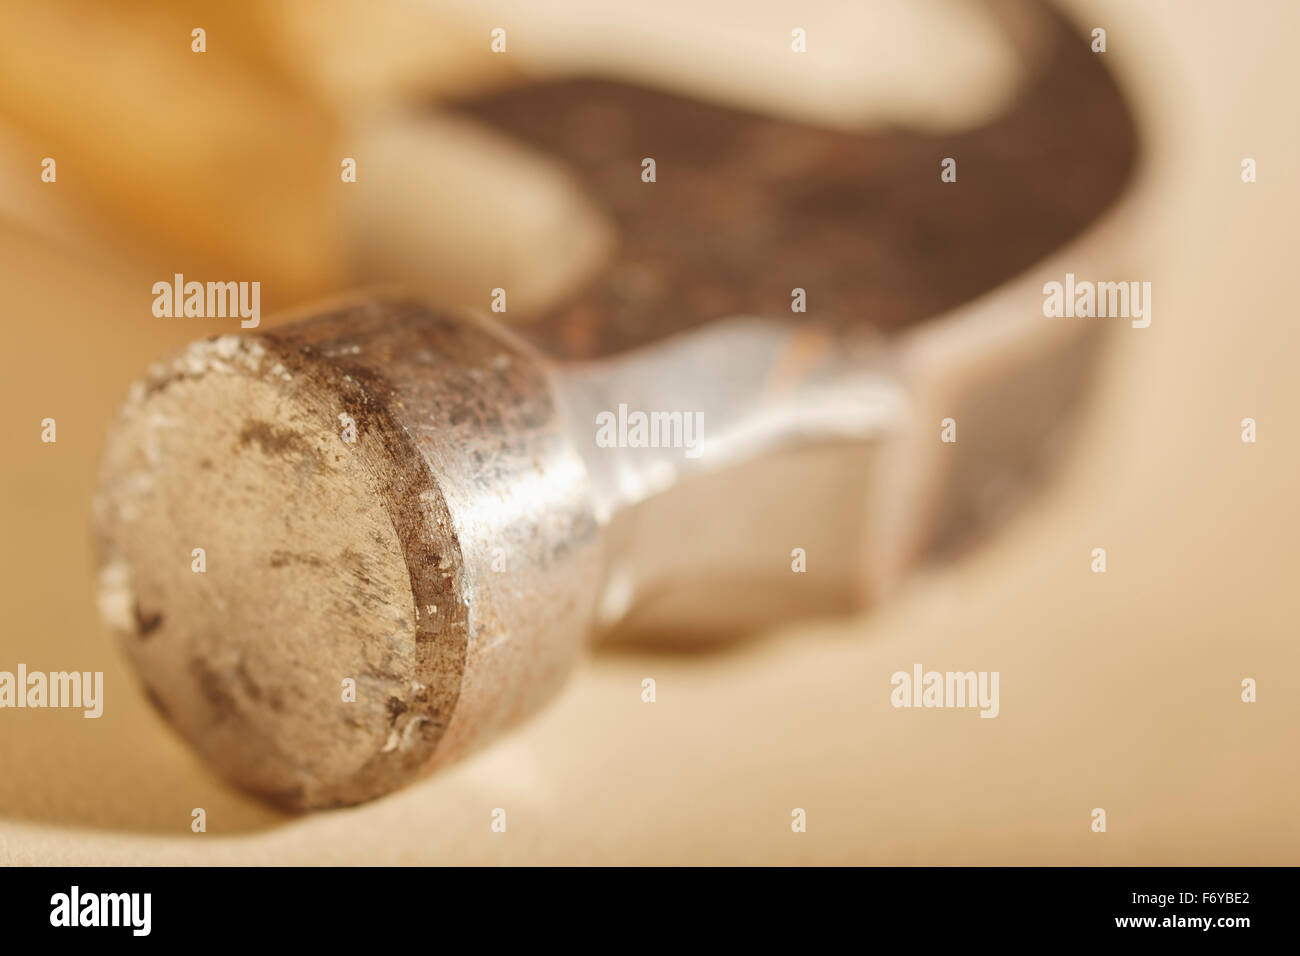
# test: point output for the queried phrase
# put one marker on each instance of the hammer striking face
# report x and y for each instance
(345, 551)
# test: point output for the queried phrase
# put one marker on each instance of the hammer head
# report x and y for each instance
(314, 543)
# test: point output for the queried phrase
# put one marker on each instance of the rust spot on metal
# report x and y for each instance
(273, 440)
(146, 622)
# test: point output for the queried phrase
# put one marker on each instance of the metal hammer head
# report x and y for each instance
(343, 552)
(278, 524)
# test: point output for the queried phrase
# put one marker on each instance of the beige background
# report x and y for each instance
(1117, 690)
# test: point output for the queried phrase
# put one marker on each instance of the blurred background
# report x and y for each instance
(1119, 690)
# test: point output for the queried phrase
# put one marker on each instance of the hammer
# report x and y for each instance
(345, 551)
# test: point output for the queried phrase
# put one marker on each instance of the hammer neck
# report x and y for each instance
(722, 450)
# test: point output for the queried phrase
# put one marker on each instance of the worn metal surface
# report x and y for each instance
(747, 207)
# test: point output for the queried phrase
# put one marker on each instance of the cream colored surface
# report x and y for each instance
(521, 221)
(1118, 691)
(929, 63)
